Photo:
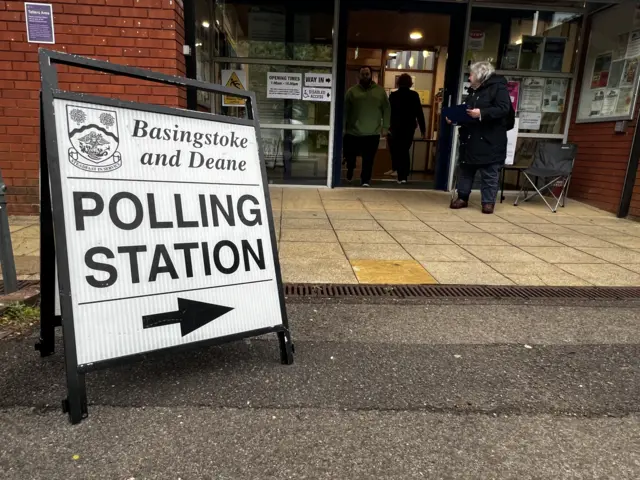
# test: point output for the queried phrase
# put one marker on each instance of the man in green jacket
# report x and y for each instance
(367, 115)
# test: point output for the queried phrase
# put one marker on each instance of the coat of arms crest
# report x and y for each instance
(94, 138)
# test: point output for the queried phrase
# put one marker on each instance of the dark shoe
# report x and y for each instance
(349, 176)
(488, 208)
(458, 203)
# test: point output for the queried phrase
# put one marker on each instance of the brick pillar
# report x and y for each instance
(142, 33)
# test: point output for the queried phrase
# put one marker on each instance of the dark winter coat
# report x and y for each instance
(484, 141)
(406, 113)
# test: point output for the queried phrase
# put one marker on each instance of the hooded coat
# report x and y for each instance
(484, 140)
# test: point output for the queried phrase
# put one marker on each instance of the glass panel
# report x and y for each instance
(296, 155)
(524, 40)
(274, 110)
(288, 30)
(411, 60)
(540, 102)
(204, 49)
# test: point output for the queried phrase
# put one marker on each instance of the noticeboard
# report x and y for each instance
(163, 227)
(611, 70)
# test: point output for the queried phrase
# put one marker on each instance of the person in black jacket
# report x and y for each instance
(483, 139)
(406, 112)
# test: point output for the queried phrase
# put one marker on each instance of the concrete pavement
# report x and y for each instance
(402, 237)
(433, 390)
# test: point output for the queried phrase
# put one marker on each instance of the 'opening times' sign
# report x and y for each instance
(159, 209)
(289, 86)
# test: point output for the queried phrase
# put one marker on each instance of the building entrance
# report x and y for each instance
(415, 40)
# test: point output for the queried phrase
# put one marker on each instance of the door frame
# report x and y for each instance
(458, 13)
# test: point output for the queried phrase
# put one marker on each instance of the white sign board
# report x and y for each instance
(319, 80)
(168, 237)
(316, 94)
(287, 86)
(512, 141)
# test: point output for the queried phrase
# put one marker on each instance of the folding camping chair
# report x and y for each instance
(553, 163)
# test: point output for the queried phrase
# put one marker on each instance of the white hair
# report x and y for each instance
(482, 71)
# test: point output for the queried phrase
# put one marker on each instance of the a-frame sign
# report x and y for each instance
(162, 223)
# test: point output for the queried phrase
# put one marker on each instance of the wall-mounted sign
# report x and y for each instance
(320, 80)
(39, 19)
(316, 94)
(234, 79)
(287, 86)
(476, 39)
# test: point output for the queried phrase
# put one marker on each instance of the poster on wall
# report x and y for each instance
(633, 49)
(601, 68)
(532, 94)
(555, 95)
(514, 93)
(610, 101)
(530, 120)
(39, 20)
(629, 73)
(622, 42)
(597, 102)
(476, 40)
(615, 73)
(625, 100)
(287, 86)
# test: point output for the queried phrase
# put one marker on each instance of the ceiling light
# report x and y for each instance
(199, 44)
(205, 24)
(393, 54)
(415, 35)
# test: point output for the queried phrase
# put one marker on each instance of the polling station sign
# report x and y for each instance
(167, 229)
(164, 236)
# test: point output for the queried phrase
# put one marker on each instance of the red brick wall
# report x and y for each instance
(142, 33)
(634, 208)
(601, 164)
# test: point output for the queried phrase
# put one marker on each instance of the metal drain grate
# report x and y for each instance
(460, 291)
(21, 284)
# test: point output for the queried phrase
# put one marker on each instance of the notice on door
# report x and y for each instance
(320, 80)
(287, 86)
(168, 229)
(234, 79)
(316, 94)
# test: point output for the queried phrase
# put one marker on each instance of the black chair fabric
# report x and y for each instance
(553, 160)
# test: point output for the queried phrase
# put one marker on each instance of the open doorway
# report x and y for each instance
(392, 43)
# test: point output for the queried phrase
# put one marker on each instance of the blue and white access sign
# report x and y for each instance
(169, 237)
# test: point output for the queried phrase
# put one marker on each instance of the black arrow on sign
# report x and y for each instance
(191, 316)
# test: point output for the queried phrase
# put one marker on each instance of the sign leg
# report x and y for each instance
(76, 402)
(286, 348)
(48, 320)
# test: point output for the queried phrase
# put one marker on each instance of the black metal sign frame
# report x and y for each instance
(53, 219)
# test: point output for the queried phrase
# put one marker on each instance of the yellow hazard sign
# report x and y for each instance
(234, 79)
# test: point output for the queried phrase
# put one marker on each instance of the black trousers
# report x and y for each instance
(400, 148)
(366, 147)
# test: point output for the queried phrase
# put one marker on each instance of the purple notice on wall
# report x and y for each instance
(39, 17)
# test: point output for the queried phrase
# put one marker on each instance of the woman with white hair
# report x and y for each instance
(483, 138)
